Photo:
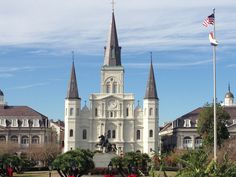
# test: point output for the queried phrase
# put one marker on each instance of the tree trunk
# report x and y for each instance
(59, 172)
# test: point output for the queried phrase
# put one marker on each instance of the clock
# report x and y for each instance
(112, 104)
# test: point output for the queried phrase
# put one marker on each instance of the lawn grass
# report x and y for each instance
(37, 174)
(169, 173)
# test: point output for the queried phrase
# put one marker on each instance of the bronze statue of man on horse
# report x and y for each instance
(104, 143)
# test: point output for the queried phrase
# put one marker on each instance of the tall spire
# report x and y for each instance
(151, 91)
(72, 92)
(112, 49)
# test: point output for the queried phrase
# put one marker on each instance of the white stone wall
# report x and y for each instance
(113, 111)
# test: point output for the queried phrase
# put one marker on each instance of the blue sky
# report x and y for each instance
(37, 37)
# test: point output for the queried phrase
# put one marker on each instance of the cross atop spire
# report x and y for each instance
(73, 56)
(113, 6)
(229, 87)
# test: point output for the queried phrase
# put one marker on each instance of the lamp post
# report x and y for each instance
(50, 170)
(73, 168)
(110, 168)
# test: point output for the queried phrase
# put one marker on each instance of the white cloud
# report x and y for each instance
(83, 25)
(169, 65)
(30, 85)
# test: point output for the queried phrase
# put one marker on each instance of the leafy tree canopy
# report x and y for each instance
(76, 162)
(206, 124)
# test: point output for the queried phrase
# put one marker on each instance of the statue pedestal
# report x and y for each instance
(101, 160)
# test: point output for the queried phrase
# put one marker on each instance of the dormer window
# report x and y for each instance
(187, 123)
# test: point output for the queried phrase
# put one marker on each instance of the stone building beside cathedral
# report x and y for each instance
(182, 132)
(112, 112)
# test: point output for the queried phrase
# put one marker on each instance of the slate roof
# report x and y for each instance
(112, 49)
(151, 91)
(1, 93)
(19, 112)
(193, 116)
(72, 92)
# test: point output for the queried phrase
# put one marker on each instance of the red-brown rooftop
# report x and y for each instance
(19, 111)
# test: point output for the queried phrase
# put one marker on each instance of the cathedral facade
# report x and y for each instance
(112, 112)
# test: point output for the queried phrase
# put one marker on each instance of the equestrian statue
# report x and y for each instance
(105, 145)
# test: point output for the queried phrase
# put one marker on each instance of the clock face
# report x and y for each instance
(112, 104)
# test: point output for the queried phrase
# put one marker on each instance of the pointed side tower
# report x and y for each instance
(151, 115)
(2, 103)
(229, 98)
(112, 72)
(72, 112)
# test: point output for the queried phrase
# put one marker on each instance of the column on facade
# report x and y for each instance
(101, 128)
(181, 141)
(133, 128)
(103, 108)
(121, 132)
(91, 131)
(193, 141)
(121, 110)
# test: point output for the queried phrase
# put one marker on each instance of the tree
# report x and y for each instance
(199, 163)
(137, 159)
(194, 164)
(44, 153)
(77, 162)
(206, 125)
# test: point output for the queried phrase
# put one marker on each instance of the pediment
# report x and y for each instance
(110, 97)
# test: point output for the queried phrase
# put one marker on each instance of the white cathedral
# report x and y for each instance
(112, 112)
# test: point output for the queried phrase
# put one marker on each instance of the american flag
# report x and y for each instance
(210, 20)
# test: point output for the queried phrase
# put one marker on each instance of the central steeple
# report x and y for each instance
(112, 49)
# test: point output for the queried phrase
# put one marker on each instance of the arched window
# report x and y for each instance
(2, 138)
(113, 134)
(187, 142)
(198, 142)
(24, 139)
(150, 133)
(71, 132)
(96, 112)
(35, 139)
(108, 87)
(109, 134)
(71, 111)
(115, 90)
(150, 111)
(138, 135)
(84, 134)
(111, 114)
(127, 111)
(14, 139)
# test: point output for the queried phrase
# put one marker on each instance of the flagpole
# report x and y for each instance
(214, 99)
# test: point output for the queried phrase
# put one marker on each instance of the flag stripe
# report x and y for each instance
(210, 20)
